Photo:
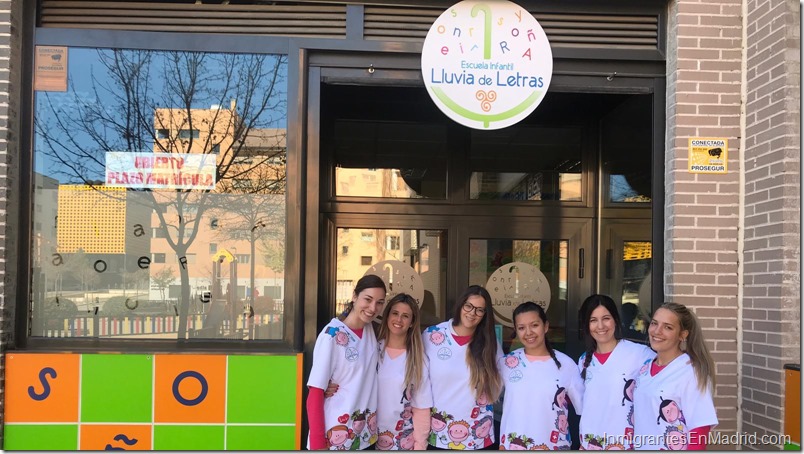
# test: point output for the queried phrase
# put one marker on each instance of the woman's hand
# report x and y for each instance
(332, 388)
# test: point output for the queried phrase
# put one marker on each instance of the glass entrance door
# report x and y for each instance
(517, 261)
(626, 273)
(433, 207)
(526, 260)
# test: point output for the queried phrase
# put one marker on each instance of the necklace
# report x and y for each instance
(659, 363)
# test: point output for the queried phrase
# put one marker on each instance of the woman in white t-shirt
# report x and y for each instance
(673, 395)
(463, 353)
(538, 380)
(405, 398)
(608, 367)
(346, 353)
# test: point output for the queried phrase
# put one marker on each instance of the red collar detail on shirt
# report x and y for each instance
(655, 368)
(462, 340)
(602, 357)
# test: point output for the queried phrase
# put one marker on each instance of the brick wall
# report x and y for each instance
(701, 211)
(771, 312)
(10, 96)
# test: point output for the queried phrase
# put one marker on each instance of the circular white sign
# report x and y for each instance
(399, 277)
(514, 283)
(486, 65)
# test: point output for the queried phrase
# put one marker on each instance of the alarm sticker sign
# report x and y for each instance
(487, 65)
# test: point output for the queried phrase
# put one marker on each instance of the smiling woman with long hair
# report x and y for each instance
(609, 368)
(463, 353)
(346, 353)
(540, 382)
(403, 378)
(673, 395)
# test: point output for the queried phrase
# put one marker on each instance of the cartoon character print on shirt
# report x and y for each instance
(675, 439)
(512, 361)
(359, 425)
(438, 422)
(436, 336)
(338, 436)
(560, 399)
(518, 442)
(642, 371)
(481, 429)
(628, 396)
(630, 417)
(404, 440)
(440, 338)
(385, 441)
(343, 339)
(482, 405)
(561, 433)
(671, 413)
(562, 428)
(406, 415)
(372, 425)
(458, 432)
(628, 391)
(593, 443)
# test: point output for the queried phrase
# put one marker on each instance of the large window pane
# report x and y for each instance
(636, 297)
(517, 271)
(147, 160)
(408, 261)
(393, 160)
(526, 163)
(626, 144)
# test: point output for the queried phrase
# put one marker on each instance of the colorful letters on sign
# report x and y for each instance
(151, 402)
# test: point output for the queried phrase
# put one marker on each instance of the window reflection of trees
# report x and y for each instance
(231, 105)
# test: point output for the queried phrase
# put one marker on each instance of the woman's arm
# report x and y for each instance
(422, 403)
(315, 418)
(319, 377)
(421, 428)
(698, 438)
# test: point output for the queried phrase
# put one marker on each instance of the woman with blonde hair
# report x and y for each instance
(673, 395)
(463, 353)
(403, 377)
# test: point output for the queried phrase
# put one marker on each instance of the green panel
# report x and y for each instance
(261, 389)
(792, 447)
(188, 438)
(116, 388)
(35, 437)
(260, 438)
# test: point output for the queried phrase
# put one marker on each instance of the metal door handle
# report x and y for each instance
(580, 263)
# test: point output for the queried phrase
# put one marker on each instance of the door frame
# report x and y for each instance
(401, 68)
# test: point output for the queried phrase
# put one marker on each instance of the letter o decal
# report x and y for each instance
(100, 266)
(201, 396)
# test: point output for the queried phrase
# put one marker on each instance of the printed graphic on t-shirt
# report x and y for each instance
(364, 429)
(675, 435)
(561, 432)
(345, 340)
(438, 423)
